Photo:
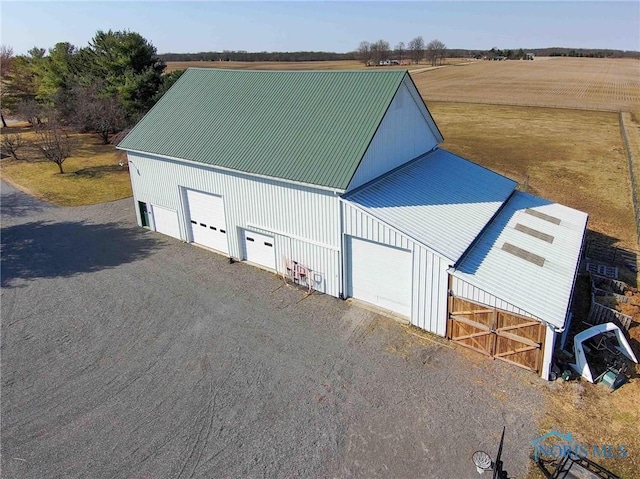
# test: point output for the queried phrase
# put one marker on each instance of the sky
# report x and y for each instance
(189, 27)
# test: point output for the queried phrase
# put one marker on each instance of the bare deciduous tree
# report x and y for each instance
(29, 111)
(12, 143)
(400, 49)
(53, 141)
(364, 52)
(100, 113)
(416, 49)
(380, 50)
(436, 52)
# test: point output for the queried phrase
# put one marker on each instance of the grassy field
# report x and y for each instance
(595, 416)
(573, 157)
(632, 126)
(92, 175)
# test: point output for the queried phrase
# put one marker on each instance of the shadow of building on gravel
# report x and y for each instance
(47, 250)
(16, 205)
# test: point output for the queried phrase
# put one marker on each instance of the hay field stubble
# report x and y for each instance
(573, 157)
(580, 83)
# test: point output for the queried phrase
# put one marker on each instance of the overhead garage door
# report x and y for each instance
(165, 221)
(258, 248)
(380, 275)
(207, 221)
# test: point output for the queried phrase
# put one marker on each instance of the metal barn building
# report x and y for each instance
(336, 178)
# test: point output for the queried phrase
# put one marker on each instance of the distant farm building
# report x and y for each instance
(335, 180)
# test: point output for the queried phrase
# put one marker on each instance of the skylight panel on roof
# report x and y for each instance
(542, 216)
(535, 233)
(524, 254)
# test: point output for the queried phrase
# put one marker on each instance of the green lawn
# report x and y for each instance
(92, 175)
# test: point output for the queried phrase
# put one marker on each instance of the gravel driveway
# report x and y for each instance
(129, 354)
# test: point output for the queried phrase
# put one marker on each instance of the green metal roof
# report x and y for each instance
(307, 126)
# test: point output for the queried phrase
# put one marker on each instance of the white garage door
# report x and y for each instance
(380, 275)
(207, 221)
(258, 248)
(165, 221)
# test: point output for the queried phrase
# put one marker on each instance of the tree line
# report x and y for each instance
(565, 52)
(380, 52)
(244, 56)
(508, 54)
(400, 50)
(104, 88)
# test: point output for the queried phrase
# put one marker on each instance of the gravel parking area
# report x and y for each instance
(129, 354)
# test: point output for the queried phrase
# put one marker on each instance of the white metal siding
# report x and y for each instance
(259, 249)
(403, 135)
(467, 291)
(304, 221)
(429, 278)
(430, 285)
(206, 220)
(165, 221)
(379, 274)
(323, 261)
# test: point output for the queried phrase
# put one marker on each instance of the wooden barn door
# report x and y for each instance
(519, 340)
(496, 333)
(471, 325)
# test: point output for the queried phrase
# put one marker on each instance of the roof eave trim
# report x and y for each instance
(337, 191)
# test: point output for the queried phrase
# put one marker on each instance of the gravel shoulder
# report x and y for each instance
(129, 354)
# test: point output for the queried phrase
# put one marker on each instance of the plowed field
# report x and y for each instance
(581, 83)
